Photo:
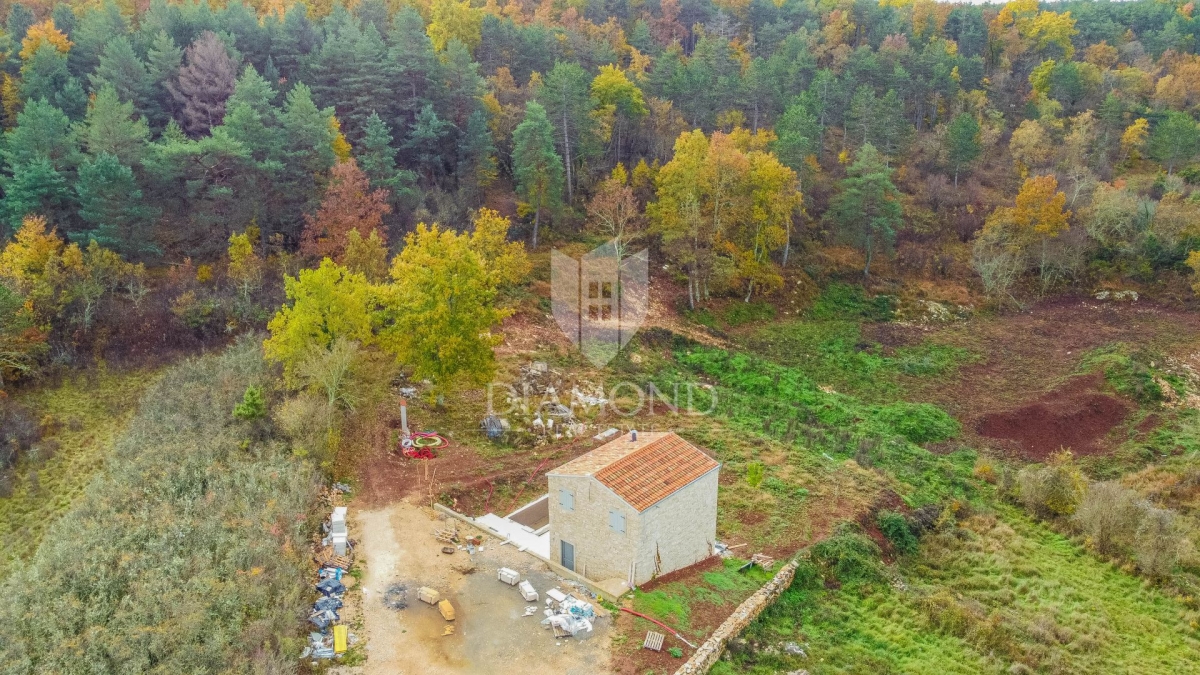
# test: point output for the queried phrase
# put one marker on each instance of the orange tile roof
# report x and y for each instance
(645, 471)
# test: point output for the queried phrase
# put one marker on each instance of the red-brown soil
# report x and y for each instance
(1024, 360)
(1076, 416)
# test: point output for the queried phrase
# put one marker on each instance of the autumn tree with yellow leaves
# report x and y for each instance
(1028, 235)
(725, 204)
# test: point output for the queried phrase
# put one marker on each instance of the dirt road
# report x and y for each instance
(492, 636)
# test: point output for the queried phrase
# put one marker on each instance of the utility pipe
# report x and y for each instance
(672, 631)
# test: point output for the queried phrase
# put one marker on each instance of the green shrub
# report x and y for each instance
(849, 556)
(846, 301)
(754, 474)
(253, 406)
(897, 530)
(676, 652)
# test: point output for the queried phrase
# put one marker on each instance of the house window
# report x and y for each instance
(616, 520)
(566, 499)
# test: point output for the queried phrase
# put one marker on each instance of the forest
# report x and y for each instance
(1011, 151)
(291, 208)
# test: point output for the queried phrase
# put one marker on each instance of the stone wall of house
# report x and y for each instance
(600, 552)
(679, 530)
(708, 653)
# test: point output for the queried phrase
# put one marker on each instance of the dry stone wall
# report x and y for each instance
(708, 653)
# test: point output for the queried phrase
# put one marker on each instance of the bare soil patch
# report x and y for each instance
(1076, 416)
(1027, 356)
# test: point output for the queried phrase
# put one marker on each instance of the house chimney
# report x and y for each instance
(633, 436)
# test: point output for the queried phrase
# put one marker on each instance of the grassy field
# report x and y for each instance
(81, 418)
(999, 594)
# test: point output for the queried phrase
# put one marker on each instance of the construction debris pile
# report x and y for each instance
(546, 405)
(567, 614)
(334, 557)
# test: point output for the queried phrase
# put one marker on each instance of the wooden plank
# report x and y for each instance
(654, 641)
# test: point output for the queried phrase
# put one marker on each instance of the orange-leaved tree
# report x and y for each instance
(349, 204)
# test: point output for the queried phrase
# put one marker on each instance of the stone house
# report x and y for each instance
(634, 508)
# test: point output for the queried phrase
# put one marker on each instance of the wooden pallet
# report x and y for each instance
(654, 641)
(447, 536)
(327, 558)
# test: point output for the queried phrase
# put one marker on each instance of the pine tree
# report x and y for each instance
(36, 188)
(44, 76)
(1175, 140)
(253, 90)
(204, 84)
(42, 132)
(411, 53)
(307, 155)
(95, 28)
(962, 142)
(19, 19)
(121, 69)
(64, 18)
(111, 202)
(110, 127)
(204, 206)
(476, 159)
(293, 43)
(331, 66)
(163, 61)
(377, 158)
(536, 166)
(461, 86)
(426, 142)
(368, 86)
(867, 208)
(569, 106)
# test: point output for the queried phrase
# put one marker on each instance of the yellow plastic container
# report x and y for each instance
(339, 639)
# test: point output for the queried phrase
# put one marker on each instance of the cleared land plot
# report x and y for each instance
(491, 634)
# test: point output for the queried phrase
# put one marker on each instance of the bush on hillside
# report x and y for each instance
(1109, 516)
(849, 556)
(1055, 489)
(1157, 542)
(897, 530)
